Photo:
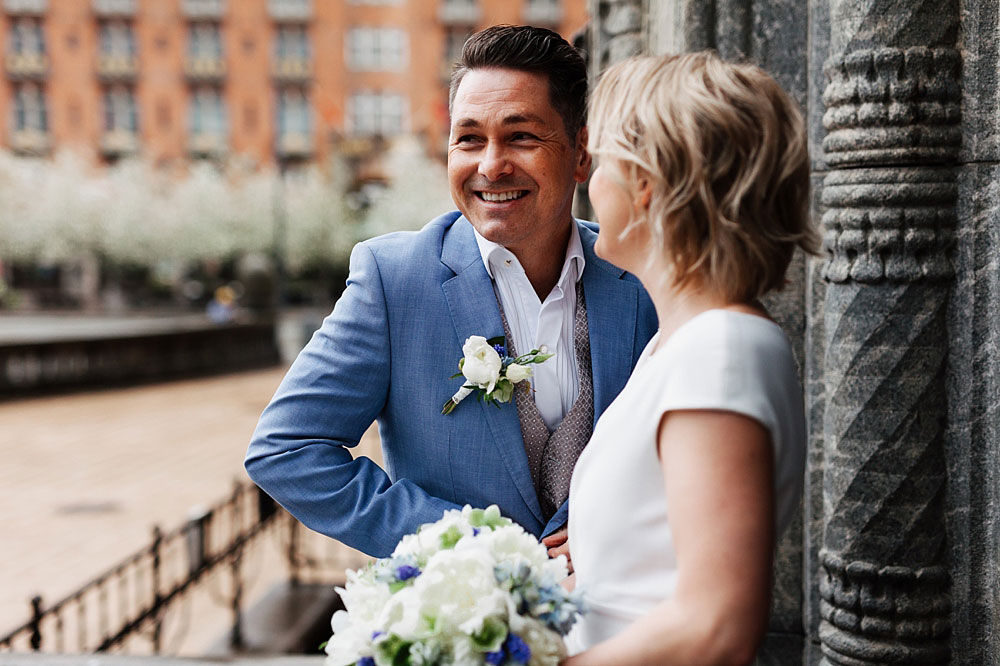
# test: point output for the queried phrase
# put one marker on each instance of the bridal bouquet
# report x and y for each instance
(473, 588)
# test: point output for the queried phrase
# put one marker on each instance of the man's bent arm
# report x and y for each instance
(333, 391)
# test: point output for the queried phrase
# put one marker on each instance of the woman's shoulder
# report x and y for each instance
(731, 334)
(723, 355)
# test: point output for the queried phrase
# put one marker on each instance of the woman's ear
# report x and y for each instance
(643, 195)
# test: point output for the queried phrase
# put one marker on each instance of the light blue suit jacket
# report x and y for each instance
(387, 352)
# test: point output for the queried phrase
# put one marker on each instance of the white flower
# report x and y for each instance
(427, 540)
(348, 642)
(364, 597)
(482, 363)
(458, 586)
(547, 647)
(517, 372)
(512, 544)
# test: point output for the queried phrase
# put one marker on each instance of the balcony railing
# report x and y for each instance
(295, 145)
(111, 8)
(205, 69)
(207, 144)
(119, 143)
(21, 66)
(29, 142)
(290, 11)
(291, 70)
(542, 13)
(455, 12)
(117, 67)
(25, 7)
(203, 9)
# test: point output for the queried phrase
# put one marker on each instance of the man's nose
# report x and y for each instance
(494, 163)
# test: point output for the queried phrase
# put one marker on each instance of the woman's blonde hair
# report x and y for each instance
(722, 149)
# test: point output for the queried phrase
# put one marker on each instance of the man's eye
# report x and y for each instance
(466, 138)
(522, 136)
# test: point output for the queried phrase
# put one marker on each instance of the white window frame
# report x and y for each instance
(377, 49)
(386, 113)
(30, 112)
(207, 111)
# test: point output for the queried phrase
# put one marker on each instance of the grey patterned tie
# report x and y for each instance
(552, 455)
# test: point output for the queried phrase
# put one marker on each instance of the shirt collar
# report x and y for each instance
(494, 254)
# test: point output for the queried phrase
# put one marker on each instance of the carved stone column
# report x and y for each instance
(893, 135)
(617, 32)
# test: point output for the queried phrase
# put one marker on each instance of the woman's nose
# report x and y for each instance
(494, 164)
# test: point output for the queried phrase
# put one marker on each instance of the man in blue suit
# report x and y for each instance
(512, 262)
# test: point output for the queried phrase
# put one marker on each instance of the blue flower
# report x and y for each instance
(517, 649)
(476, 531)
(495, 658)
(376, 634)
(500, 349)
(366, 661)
(406, 572)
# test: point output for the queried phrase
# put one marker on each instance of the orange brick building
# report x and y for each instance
(277, 81)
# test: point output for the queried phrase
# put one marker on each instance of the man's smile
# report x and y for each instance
(500, 197)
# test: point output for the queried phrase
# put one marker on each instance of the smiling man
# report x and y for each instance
(511, 261)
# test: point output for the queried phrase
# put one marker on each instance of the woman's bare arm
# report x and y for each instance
(717, 467)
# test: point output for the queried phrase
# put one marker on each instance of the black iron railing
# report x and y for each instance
(131, 598)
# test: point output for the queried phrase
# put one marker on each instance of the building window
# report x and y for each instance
(204, 40)
(460, 12)
(26, 36)
(117, 38)
(377, 49)
(294, 114)
(120, 110)
(543, 12)
(454, 40)
(293, 43)
(208, 111)
(29, 108)
(378, 113)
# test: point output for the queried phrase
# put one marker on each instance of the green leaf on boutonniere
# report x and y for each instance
(504, 390)
(541, 358)
(497, 340)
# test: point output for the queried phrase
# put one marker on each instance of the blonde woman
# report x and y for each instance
(693, 471)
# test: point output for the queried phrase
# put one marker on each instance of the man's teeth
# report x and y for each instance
(497, 197)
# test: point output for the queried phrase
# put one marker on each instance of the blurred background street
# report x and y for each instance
(86, 476)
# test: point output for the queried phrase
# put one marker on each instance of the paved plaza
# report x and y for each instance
(86, 476)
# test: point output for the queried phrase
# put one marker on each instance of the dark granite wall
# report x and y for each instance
(897, 327)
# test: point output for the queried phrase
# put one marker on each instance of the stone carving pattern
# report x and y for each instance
(619, 33)
(903, 612)
(891, 107)
(884, 589)
(892, 224)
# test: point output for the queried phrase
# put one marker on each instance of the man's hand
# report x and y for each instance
(558, 544)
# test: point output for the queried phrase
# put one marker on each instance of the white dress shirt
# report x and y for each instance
(537, 324)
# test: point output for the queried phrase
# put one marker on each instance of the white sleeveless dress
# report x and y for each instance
(619, 529)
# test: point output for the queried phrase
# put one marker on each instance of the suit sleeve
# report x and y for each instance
(333, 391)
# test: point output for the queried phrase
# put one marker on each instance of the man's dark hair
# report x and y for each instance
(530, 49)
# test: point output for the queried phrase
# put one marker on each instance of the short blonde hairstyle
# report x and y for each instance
(723, 150)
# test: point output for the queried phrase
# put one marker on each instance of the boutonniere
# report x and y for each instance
(489, 371)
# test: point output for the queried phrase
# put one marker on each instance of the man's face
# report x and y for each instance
(511, 166)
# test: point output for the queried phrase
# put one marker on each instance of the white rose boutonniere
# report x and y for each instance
(490, 371)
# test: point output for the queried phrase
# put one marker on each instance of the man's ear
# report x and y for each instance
(581, 171)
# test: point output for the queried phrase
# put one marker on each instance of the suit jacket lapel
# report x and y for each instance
(474, 311)
(612, 303)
